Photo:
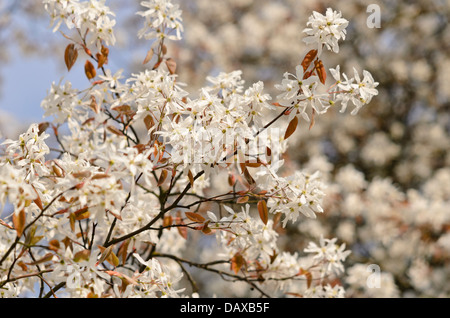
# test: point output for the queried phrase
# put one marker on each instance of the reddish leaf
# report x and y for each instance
(311, 124)
(82, 255)
(237, 261)
(89, 70)
(46, 258)
(242, 199)
(231, 179)
(307, 60)
(162, 177)
(307, 274)
(101, 60)
(70, 56)
(54, 245)
(114, 130)
(206, 230)
(19, 220)
(167, 221)
(248, 177)
(191, 178)
(291, 127)
(321, 72)
(149, 122)
(195, 217)
(81, 214)
(171, 65)
(148, 57)
(43, 127)
(182, 230)
(6, 224)
(124, 110)
(123, 251)
(263, 211)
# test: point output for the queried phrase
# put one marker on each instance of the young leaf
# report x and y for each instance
(263, 211)
(291, 127)
(6, 224)
(101, 60)
(195, 217)
(149, 122)
(321, 72)
(242, 200)
(307, 60)
(162, 177)
(191, 178)
(105, 254)
(19, 220)
(171, 65)
(237, 261)
(148, 57)
(89, 70)
(70, 56)
(46, 258)
(82, 255)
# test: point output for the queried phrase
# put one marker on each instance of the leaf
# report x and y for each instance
(82, 255)
(242, 200)
(54, 245)
(195, 217)
(19, 220)
(6, 224)
(105, 51)
(148, 57)
(81, 214)
(106, 251)
(101, 60)
(291, 127)
(43, 127)
(263, 211)
(191, 178)
(81, 174)
(46, 258)
(171, 65)
(307, 60)
(231, 179)
(128, 279)
(321, 72)
(311, 124)
(94, 105)
(123, 251)
(114, 130)
(237, 261)
(89, 70)
(167, 221)
(304, 272)
(162, 177)
(37, 201)
(206, 230)
(70, 56)
(248, 177)
(182, 230)
(149, 122)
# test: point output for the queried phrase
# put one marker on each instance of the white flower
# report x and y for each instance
(326, 30)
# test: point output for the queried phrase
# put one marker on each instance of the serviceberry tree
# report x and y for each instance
(115, 207)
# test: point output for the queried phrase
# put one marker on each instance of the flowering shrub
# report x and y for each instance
(127, 205)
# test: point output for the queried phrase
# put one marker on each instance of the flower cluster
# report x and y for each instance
(89, 17)
(326, 30)
(161, 19)
(113, 211)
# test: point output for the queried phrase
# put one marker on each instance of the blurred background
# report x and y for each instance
(388, 168)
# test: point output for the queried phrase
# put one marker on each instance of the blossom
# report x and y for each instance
(329, 252)
(326, 30)
(161, 18)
